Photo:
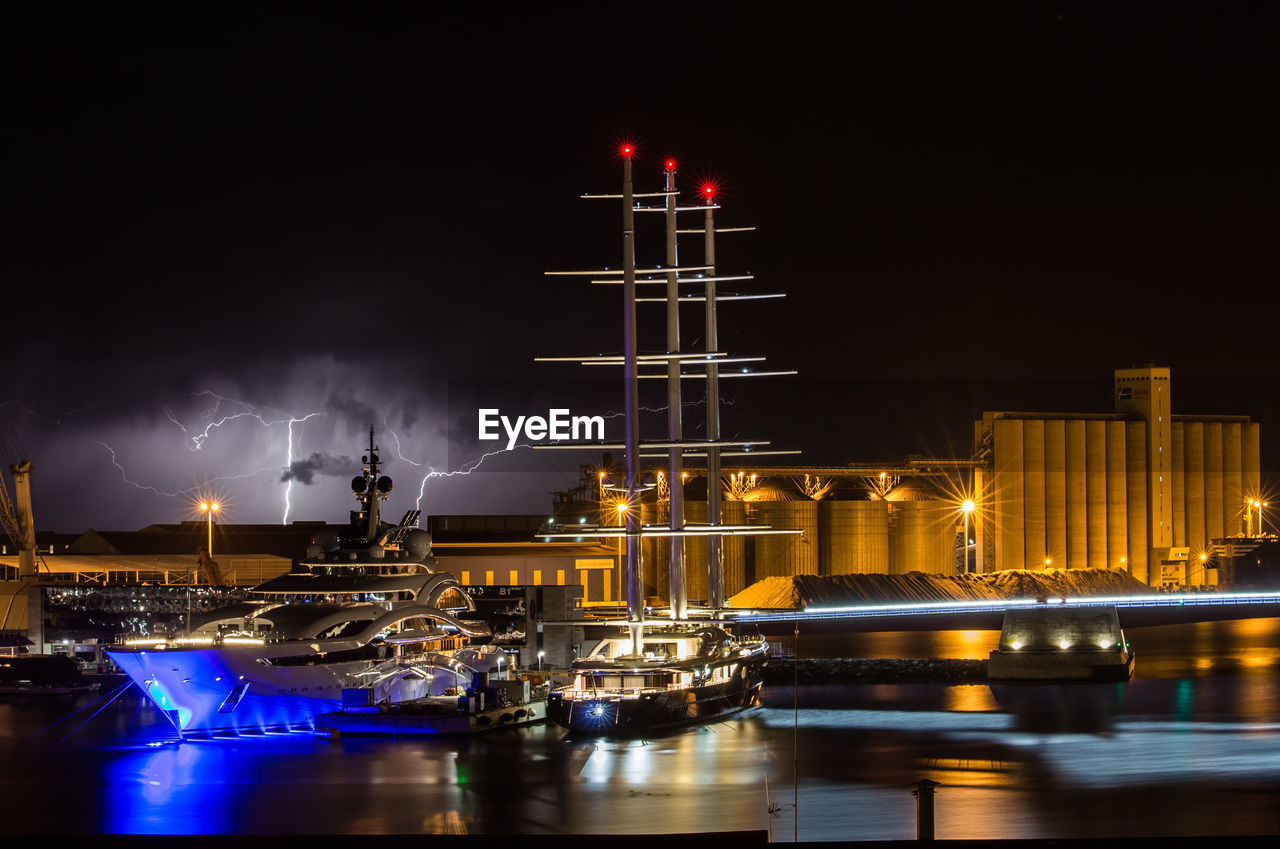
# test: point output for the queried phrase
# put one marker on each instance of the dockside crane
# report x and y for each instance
(15, 512)
(16, 516)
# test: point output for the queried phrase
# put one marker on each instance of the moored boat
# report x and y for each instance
(682, 675)
(366, 610)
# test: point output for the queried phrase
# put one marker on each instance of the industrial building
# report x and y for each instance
(1139, 488)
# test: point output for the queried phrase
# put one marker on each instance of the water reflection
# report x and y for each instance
(1190, 746)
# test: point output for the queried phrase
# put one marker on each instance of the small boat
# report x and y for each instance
(681, 675)
(42, 675)
(365, 615)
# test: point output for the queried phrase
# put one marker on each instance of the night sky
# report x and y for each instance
(250, 214)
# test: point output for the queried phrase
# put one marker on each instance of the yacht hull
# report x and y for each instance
(237, 690)
(585, 714)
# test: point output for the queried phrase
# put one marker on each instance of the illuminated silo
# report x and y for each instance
(1135, 447)
(695, 553)
(1005, 505)
(1095, 434)
(1055, 491)
(855, 536)
(922, 537)
(1233, 506)
(1077, 512)
(1213, 480)
(734, 549)
(1138, 489)
(1034, 546)
(1117, 503)
(787, 554)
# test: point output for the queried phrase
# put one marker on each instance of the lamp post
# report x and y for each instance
(1261, 504)
(1248, 517)
(622, 508)
(967, 508)
(208, 508)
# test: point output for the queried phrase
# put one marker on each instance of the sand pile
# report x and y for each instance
(804, 591)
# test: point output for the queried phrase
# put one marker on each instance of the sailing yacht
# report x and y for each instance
(365, 611)
(692, 666)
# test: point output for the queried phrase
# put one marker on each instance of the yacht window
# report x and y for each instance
(344, 629)
(453, 599)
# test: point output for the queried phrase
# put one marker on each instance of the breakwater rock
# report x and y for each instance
(874, 670)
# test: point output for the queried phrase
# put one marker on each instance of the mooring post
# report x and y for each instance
(924, 808)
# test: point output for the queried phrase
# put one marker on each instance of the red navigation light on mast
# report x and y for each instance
(669, 165)
(626, 150)
(708, 192)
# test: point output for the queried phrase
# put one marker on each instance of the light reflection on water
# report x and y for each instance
(1191, 746)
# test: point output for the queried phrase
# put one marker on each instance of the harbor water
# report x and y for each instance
(1189, 747)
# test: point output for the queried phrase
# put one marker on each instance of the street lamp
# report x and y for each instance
(617, 578)
(1248, 517)
(208, 508)
(967, 507)
(540, 654)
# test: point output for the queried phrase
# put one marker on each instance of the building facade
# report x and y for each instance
(1140, 489)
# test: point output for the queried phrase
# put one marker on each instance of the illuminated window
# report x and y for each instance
(466, 577)
(488, 579)
(537, 577)
(515, 578)
(560, 577)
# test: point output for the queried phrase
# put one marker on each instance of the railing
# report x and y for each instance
(944, 608)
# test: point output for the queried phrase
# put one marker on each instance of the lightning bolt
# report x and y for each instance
(463, 470)
(180, 493)
(197, 438)
(288, 487)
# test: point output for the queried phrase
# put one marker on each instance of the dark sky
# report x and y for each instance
(219, 221)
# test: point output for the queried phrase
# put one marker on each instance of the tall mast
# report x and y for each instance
(715, 552)
(635, 582)
(675, 478)
(372, 492)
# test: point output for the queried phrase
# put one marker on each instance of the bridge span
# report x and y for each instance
(1134, 611)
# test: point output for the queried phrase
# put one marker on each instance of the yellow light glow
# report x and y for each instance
(1065, 644)
(968, 506)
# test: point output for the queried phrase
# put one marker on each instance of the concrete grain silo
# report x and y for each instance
(855, 537)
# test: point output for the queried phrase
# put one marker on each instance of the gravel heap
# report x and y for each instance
(798, 592)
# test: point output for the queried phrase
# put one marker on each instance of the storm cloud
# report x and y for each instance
(305, 471)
